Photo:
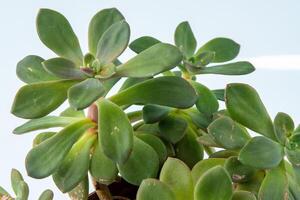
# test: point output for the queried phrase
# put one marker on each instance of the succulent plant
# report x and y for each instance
(21, 189)
(174, 142)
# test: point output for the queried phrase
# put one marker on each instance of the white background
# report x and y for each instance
(267, 30)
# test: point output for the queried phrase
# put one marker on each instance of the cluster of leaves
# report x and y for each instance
(21, 189)
(180, 117)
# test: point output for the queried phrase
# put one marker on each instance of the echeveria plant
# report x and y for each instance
(175, 144)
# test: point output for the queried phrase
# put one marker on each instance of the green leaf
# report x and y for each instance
(22, 191)
(154, 113)
(183, 95)
(39, 99)
(71, 112)
(85, 93)
(223, 154)
(188, 149)
(238, 172)
(154, 60)
(102, 168)
(100, 23)
(16, 177)
(254, 184)
(225, 49)
(130, 82)
(274, 185)
(228, 133)
(115, 131)
(261, 153)
(143, 43)
(142, 163)
(46, 195)
(203, 59)
(44, 159)
(172, 128)
(81, 191)
(204, 165)
(151, 189)
(292, 149)
(243, 195)
(57, 34)
(63, 68)
(220, 94)
(208, 140)
(75, 166)
(156, 143)
(44, 123)
(215, 184)
(237, 68)
(207, 102)
(41, 137)
(113, 42)
(284, 127)
(245, 106)
(30, 70)
(185, 39)
(198, 118)
(4, 193)
(178, 177)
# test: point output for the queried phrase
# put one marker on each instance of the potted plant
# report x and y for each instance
(163, 135)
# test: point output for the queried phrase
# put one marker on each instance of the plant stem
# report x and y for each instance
(102, 191)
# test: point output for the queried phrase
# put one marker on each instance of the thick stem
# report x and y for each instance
(93, 113)
(102, 191)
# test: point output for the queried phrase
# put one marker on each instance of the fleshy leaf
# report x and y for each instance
(262, 153)
(30, 70)
(178, 177)
(183, 95)
(292, 150)
(16, 177)
(154, 113)
(228, 133)
(188, 149)
(284, 127)
(274, 185)
(63, 68)
(185, 39)
(22, 191)
(237, 68)
(172, 128)
(207, 102)
(39, 99)
(83, 94)
(151, 189)
(215, 184)
(143, 43)
(100, 23)
(204, 165)
(113, 42)
(45, 158)
(154, 60)
(57, 34)
(102, 168)
(46, 195)
(220, 94)
(44, 123)
(81, 191)
(245, 106)
(243, 195)
(71, 112)
(142, 163)
(156, 143)
(75, 166)
(239, 173)
(225, 49)
(115, 131)
(41, 137)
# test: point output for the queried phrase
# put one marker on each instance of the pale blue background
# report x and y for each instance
(264, 28)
